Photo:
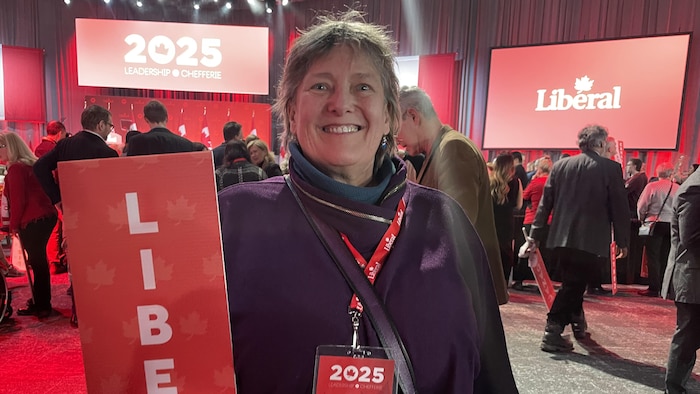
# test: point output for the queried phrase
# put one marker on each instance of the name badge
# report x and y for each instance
(348, 370)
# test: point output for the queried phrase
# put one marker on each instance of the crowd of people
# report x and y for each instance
(441, 225)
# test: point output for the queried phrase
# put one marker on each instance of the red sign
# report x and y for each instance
(172, 56)
(540, 96)
(542, 278)
(148, 274)
(347, 375)
(613, 266)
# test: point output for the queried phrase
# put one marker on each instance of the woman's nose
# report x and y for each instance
(341, 101)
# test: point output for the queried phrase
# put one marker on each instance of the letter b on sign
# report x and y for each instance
(153, 325)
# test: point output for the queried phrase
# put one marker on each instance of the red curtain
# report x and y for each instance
(23, 70)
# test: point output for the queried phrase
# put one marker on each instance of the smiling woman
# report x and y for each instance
(423, 291)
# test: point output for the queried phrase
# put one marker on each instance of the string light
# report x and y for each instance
(228, 5)
(196, 6)
(139, 3)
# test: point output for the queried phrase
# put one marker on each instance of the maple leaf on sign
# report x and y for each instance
(86, 335)
(224, 377)
(130, 330)
(100, 275)
(213, 267)
(113, 385)
(178, 381)
(88, 165)
(193, 325)
(70, 219)
(583, 84)
(180, 210)
(164, 272)
(161, 49)
(117, 215)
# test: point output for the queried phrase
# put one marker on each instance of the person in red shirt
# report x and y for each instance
(32, 217)
(533, 194)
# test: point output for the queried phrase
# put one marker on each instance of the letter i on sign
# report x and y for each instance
(138, 227)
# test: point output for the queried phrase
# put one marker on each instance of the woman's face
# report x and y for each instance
(339, 115)
(256, 155)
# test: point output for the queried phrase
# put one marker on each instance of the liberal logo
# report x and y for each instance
(560, 101)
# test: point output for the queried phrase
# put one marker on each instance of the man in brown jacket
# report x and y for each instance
(453, 164)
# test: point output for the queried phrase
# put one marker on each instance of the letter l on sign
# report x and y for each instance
(135, 224)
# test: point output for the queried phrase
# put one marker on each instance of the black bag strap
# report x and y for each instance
(670, 189)
(373, 306)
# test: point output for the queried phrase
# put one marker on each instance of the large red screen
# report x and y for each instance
(172, 56)
(540, 96)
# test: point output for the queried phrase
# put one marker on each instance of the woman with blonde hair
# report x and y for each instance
(261, 156)
(507, 194)
(32, 217)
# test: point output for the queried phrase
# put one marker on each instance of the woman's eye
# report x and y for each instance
(319, 86)
(364, 87)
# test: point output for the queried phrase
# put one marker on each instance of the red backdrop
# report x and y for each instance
(249, 115)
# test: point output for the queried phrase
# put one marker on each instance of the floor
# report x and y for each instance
(625, 353)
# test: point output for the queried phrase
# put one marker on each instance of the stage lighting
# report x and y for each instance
(268, 6)
(66, 1)
(251, 1)
(196, 6)
(107, 1)
(228, 5)
(285, 2)
(139, 3)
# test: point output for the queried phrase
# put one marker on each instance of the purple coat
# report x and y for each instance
(287, 297)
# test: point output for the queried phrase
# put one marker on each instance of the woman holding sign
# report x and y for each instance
(32, 217)
(356, 261)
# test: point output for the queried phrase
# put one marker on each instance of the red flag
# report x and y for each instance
(132, 126)
(204, 138)
(181, 123)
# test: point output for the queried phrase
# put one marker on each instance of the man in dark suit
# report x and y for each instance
(232, 131)
(159, 139)
(682, 283)
(587, 194)
(87, 144)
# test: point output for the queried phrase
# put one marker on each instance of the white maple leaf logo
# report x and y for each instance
(583, 84)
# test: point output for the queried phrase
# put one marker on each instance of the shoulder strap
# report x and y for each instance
(670, 189)
(373, 305)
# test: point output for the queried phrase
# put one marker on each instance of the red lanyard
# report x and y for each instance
(380, 255)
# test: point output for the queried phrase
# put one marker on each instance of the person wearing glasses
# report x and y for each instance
(90, 143)
(159, 139)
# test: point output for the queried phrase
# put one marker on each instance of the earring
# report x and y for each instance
(384, 143)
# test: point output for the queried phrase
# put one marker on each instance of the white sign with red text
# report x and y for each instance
(172, 56)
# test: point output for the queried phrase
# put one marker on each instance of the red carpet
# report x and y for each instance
(40, 356)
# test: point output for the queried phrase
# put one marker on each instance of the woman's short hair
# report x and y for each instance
(235, 149)
(268, 157)
(664, 170)
(331, 31)
(592, 137)
(17, 149)
(544, 165)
